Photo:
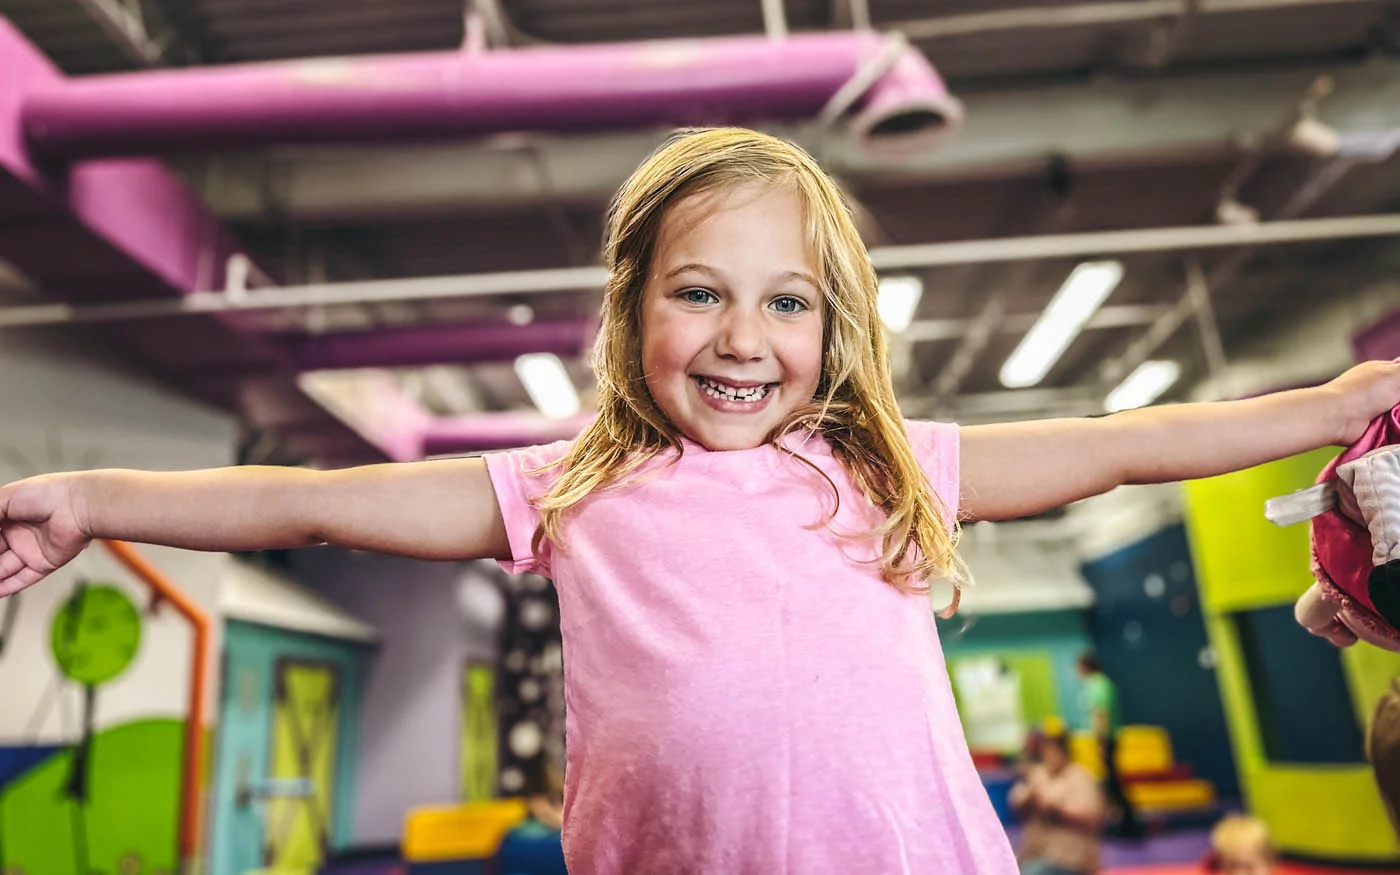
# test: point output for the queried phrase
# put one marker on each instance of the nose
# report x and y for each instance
(742, 336)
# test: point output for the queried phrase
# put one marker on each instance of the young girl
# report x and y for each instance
(741, 541)
(1240, 845)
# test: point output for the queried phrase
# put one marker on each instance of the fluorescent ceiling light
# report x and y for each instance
(1143, 386)
(548, 384)
(1083, 291)
(899, 298)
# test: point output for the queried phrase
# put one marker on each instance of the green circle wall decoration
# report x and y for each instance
(95, 634)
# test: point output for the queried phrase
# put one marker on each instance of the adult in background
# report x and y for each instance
(1100, 704)
(1062, 808)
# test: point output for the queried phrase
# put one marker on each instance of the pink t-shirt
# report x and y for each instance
(743, 693)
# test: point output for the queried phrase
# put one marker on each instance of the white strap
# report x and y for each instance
(1303, 505)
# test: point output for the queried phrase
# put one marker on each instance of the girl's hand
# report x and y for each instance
(40, 529)
(1364, 392)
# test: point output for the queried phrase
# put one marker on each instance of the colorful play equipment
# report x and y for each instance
(458, 839)
(1154, 782)
(1251, 573)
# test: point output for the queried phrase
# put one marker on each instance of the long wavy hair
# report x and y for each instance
(854, 407)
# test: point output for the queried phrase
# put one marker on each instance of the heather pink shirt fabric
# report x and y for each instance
(743, 693)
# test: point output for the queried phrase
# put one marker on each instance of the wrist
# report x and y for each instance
(82, 498)
(1338, 409)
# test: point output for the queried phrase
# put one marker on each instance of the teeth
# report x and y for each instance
(728, 393)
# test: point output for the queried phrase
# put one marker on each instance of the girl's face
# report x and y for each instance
(732, 316)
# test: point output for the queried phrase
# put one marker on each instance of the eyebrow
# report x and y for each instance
(697, 267)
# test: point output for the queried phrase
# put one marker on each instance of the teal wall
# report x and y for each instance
(1060, 635)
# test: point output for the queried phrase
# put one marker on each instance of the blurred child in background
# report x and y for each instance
(1240, 845)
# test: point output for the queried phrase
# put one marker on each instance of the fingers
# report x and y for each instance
(10, 564)
(12, 584)
(1319, 617)
(1313, 612)
(1337, 634)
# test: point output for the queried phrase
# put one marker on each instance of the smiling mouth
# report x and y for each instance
(737, 394)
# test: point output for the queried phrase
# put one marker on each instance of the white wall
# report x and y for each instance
(64, 406)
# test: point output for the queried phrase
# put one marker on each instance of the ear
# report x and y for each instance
(1319, 616)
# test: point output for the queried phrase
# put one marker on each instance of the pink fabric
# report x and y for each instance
(744, 694)
(1341, 555)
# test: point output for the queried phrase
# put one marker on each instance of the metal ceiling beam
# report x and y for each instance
(1111, 316)
(591, 279)
(125, 26)
(775, 23)
(1090, 15)
(1195, 300)
(1105, 122)
(1132, 241)
(850, 14)
(192, 40)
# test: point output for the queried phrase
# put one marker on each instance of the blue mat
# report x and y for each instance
(15, 761)
(531, 849)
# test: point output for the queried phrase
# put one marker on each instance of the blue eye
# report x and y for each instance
(789, 305)
(698, 296)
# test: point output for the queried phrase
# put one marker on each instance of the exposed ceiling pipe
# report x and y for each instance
(360, 101)
(441, 95)
(438, 344)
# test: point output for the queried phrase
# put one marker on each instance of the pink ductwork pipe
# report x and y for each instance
(117, 225)
(892, 94)
(112, 229)
(439, 344)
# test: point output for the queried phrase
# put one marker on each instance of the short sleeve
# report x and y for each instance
(936, 447)
(519, 478)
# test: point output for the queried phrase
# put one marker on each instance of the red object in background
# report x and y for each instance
(1342, 555)
(1197, 868)
(987, 760)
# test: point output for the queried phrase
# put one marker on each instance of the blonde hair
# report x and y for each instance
(1239, 835)
(854, 407)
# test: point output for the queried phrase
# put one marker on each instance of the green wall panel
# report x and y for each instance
(1061, 635)
(131, 813)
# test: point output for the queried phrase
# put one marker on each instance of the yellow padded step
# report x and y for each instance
(472, 831)
(1140, 749)
(1171, 795)
(1144, 749)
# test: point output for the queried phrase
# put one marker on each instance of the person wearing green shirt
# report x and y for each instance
(1100, 704)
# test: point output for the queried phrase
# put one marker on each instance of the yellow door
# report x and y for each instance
(479, 732)
(305, 716)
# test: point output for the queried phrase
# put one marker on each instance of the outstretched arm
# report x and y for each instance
(429, 510)
(1018, 469)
